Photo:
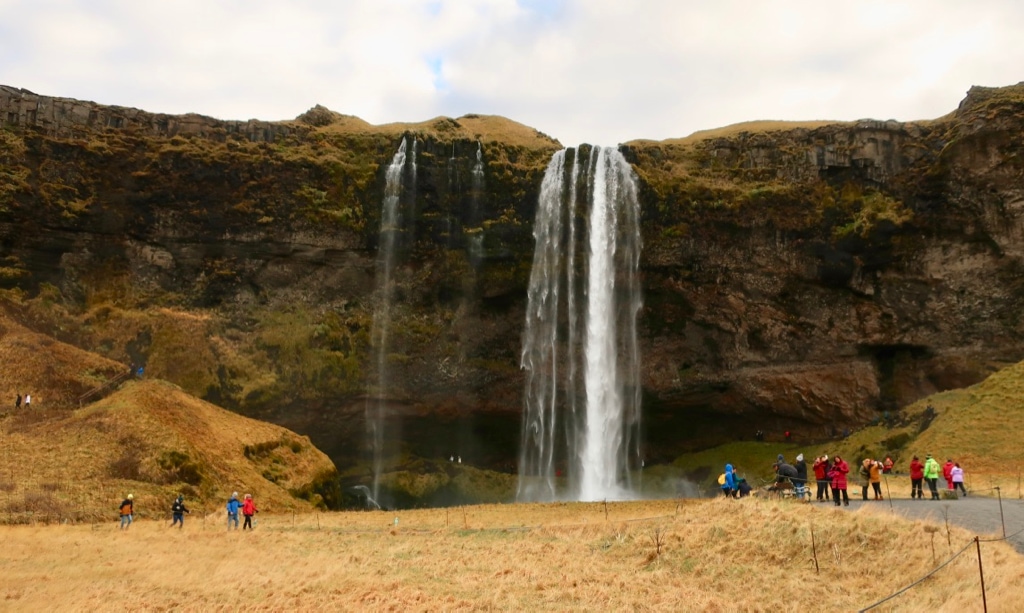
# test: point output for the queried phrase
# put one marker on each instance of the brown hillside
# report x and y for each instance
(149, 438)
(54, 373)
(153, 440)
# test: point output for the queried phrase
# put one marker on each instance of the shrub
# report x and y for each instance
(179, 468)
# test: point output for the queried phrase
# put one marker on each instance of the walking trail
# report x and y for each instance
(979, 514)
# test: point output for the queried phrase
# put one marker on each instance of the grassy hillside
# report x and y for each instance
(711, 555)
(978, 426)
(149, 438)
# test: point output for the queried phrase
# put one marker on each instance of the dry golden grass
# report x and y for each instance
(54, 373)
(80, 465)
(715, 555)
(752, 127)
(486, 128)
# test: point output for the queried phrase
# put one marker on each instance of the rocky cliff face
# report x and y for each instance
(802, 277)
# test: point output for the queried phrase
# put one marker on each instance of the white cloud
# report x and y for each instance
(598, 71)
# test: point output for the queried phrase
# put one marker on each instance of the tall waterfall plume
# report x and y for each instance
(581, 413)
(390, 227)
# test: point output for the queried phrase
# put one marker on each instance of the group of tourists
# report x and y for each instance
(27, 400)
(929, 471)
(831, 478)
(178, 510)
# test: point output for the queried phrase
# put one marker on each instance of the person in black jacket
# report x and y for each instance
(178, 511)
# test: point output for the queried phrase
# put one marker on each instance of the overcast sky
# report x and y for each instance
(596, 71)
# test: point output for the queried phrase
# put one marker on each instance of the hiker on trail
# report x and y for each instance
(947, 473)
(887, 465)
(958, 477)
(875, 471)
(801, 476)
(232, 506)
(865, 477)
(28, 400)
(127, 509)
(178, 511)
(916, 476)
(838, 476)
(801, 469)
(931, 475)
(821, 468)
(728, 481)
(248, 509)
(17, 402)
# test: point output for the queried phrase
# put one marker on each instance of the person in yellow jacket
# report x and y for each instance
(875, 474)
(931, 475)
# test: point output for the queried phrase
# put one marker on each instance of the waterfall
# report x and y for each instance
(600, 443)
(390, 226)
(476, 240)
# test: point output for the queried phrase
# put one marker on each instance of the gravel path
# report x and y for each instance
(979, 514)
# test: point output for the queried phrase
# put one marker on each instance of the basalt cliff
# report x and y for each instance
(803, 277)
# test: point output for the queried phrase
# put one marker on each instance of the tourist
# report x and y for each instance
(178, 511)
(742, 487)
(28, 400)
(248, 510)
(916, 477)
(875, 470)
(801, 476)
(887, 465)
(785, 473)
(17, 402)
(947, 473)
(801, 469)
(838, 476)
(958, 477)
(232, 506)
(931, 475)
(127, 509)
(821, 468)
(728, 481)
(865, 477)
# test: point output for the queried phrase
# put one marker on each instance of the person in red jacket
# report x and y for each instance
(838, 476)
(916, 477)
(947, 472)
(248, 510)
(821, 467)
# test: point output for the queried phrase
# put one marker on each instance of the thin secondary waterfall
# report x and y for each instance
(567, 452)
(390, 226)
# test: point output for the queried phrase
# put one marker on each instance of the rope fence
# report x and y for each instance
(976, 542)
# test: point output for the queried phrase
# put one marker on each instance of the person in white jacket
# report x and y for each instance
(958, 478)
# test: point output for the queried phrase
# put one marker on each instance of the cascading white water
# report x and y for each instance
(390, 226)
(602, 443)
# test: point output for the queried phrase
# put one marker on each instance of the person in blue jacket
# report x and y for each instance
(233, 505)
(729, 487)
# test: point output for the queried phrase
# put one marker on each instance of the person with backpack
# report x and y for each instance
(916, 477)
(931, 475)
(248, 510)
(178, 511)
(233, 506)
(127, 509)
(728, 481)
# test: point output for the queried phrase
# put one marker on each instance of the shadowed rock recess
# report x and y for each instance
(802, 277)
